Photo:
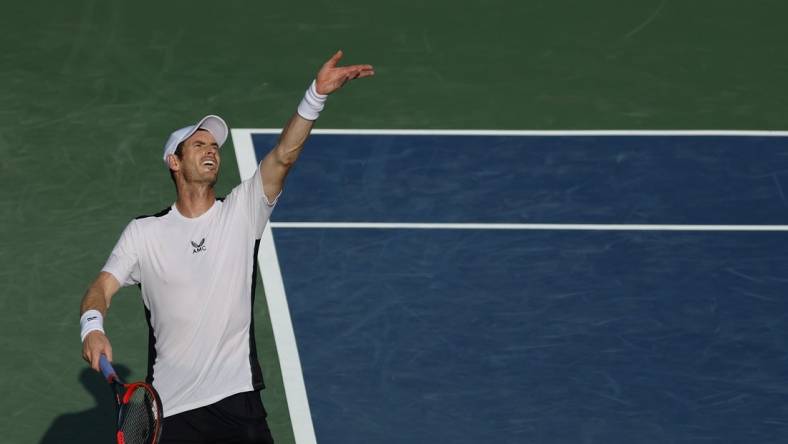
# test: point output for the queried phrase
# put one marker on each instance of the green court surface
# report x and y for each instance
(89, 91)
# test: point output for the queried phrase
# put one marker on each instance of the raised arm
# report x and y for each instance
(277, 163)
(97, 298)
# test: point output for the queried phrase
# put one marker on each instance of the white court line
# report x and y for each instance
(565, 227)
(292, 375)
(244, 153)
(284, 337)
(247, 132)
(281, 324)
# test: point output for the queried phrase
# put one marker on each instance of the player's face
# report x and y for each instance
(201, 158)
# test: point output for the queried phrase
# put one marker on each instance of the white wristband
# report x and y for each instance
(91, 320)
(312, 103)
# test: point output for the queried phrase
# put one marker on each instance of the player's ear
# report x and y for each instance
(173, 162)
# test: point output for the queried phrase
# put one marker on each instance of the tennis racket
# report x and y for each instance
(139, 408)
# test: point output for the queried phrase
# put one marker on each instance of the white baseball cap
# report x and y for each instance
(213, 124)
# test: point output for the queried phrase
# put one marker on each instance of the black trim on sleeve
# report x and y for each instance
(159, 214)
(257, 373)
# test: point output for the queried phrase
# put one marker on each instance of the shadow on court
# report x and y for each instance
(96, 425)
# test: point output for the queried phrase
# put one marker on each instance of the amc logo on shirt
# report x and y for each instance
(198, 247)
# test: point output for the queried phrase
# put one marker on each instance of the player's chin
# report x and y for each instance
(212, 178)
(209, 176)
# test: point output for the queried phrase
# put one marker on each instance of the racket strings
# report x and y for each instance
(141, 417)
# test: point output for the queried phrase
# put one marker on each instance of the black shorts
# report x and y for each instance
(236, 419)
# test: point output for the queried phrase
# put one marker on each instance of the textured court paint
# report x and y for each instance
(549, 330)
(651, 180)
(548, 337)
(91, 90)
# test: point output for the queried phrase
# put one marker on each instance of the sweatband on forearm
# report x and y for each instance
(312, 103)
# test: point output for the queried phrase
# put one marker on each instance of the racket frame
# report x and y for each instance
(123, 393)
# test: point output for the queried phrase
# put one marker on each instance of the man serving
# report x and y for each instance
(195, 265)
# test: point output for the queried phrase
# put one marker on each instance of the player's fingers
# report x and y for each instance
(347, 74)
(94, 359)
(108, 352)
(363, 74)
(332, 62)
(356, 68)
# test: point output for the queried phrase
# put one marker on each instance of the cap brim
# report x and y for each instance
(215, 125)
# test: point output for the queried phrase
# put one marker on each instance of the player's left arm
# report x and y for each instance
(277, 163)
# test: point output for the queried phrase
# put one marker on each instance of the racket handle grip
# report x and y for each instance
(106, 368)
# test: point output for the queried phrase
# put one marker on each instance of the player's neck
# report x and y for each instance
(195, 199)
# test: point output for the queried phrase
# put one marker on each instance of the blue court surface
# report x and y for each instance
(674, 332)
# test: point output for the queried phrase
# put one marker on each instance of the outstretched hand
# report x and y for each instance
(332, 77)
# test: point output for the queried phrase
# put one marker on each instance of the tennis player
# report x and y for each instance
(195, 263)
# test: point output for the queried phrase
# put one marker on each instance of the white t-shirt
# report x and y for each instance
(197, 277)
